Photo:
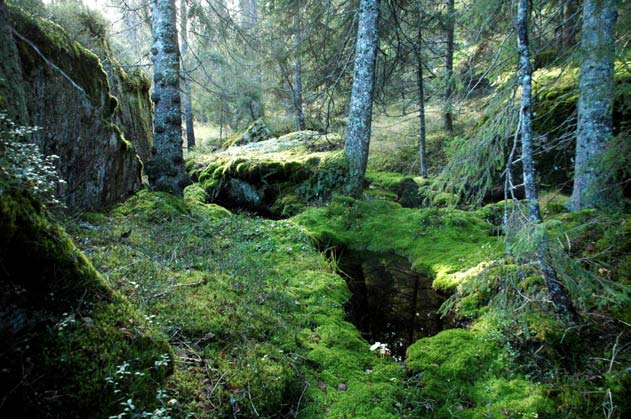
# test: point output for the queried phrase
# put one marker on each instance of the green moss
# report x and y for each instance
(285, 174)
(444, 199)
(439, 242)
(67, 331)
(153, 206)
(464, 373)
(253, 302)
(80, 64)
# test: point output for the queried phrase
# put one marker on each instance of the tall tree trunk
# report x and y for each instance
(187, 102)
(360, 113)
(166, 168)
(449, 67)
(300, 117)
(557, 293)
(595, 103)
(249, 20)
(421, 94)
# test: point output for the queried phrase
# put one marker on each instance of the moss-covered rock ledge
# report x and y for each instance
(276, 177)
(440, 242)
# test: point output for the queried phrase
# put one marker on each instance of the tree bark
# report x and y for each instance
(449, 67)
(166, 169)
(557, 293)
(300, 117)
(187, 102)
(360, 113)
(421, 95)
(595, 103)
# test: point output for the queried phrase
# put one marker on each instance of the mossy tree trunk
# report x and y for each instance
(187, 103)
(557, 293)
(595, 104)
(300, 116)
(166, 169)
(449, 67)
(421, 94)
(360, 114)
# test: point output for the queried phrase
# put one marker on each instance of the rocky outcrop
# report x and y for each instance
(276, 177)
(256, 132)
(61, 87)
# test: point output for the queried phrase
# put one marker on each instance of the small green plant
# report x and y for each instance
(23, 166)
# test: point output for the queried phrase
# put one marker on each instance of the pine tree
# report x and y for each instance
(360, 114)
(187, 103)
(595, 104)
(557, 293)
(166, 168)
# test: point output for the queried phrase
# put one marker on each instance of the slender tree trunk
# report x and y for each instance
(187, 102)
(360, 113)
(249, 19)
(421, 94)
(557, 293)
(131, 21)
(570, 19)
(449, 67)
(166, 168)
(300, 117)
(595, 103)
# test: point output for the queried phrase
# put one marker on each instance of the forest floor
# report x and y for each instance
(259, 311)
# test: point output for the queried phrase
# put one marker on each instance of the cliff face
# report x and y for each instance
(58, 85)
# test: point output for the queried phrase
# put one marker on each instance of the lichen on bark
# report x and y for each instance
(166, 169)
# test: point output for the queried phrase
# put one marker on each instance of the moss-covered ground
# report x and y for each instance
(72, 346)
(253, 310)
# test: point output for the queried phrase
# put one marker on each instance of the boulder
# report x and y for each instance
(56, 84)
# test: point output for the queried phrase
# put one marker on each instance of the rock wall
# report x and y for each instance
(66, 92)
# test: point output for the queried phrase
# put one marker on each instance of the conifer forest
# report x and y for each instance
(377, 209)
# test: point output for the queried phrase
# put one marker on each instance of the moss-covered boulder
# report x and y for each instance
(555, 110)
(257, 131)
(67, 94)
(409, 191)
(72, 347)
(276, 177)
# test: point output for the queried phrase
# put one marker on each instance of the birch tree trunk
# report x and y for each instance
(421, 95)
(595, 103)
(300, 117)
(360, 113)
(557, 293)
(187, 102)
(166, 168)
(449, 68)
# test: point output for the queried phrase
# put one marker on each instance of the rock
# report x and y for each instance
(77, 119)
(243, 194)
(277, 177)
(256, 132)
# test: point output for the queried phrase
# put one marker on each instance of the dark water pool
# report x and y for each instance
(390, 302)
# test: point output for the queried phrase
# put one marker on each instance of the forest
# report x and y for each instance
(315, 209)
